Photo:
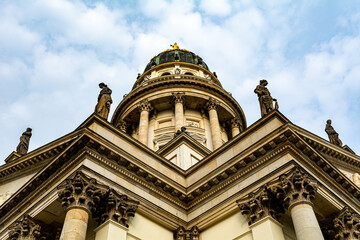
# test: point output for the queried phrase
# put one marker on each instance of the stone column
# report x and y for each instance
(113, 215)
(263, 210)
(80, 196)
(235, 127)
(299, 190)
(145, 108)
(178, 101)
(212, 105)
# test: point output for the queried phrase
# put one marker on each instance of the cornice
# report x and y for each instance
(329, 149)
(40, 155)
(91, 145)
(171, 81)
(248, 131)
(171, 64)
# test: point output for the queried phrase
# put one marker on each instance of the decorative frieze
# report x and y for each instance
(261, 204)
(116, 207)
(297, 187)
(29, 229)
(183, 234)
(346, 225)
(81, 192)
(145, 105)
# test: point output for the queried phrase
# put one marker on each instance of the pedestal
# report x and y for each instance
(111, 230)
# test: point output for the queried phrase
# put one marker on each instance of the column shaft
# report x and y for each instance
(179, 115)
(144, 126)
(305, 222)
(75, 225)
(235, 131)
(215, 128)
(267, 229)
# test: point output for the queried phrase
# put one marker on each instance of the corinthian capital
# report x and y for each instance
(122, 125)
(261, 204)
(236, 123)
(81, 192)
(212, 104)
(29, 229)
(345, 226)
(183, 234)
(178, 97)
(116, 207)
(144, 105)
(297, 187)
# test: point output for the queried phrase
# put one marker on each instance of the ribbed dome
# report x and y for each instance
(173, 55)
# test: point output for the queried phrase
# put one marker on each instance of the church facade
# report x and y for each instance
(178, 161)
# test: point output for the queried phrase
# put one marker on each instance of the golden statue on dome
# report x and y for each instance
(175, 46)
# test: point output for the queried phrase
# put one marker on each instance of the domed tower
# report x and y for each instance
(177, 93)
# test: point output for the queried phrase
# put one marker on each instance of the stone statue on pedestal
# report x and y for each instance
(265, 99)
(23, 146)
(104, 101)
(333, 135)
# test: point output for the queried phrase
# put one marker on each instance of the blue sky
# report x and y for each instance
(54, 53)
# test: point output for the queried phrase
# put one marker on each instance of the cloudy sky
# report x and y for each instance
(54, 53)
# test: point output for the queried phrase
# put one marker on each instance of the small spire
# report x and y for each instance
(175, 46)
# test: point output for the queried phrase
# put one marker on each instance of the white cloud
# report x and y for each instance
(216, 7)
(54, 54)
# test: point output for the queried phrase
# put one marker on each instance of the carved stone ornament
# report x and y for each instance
(261, 204)
(29, 229)
(345, 226)
(116, 207)
(212, 104)
(178, 97)
(296, 187)
(192, 234)
(81, 192)
(144, 105)
(177, 71)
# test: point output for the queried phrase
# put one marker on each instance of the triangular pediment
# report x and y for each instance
(270, 143)
(184, 151)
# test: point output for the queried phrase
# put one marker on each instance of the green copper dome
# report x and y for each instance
(174, 55)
